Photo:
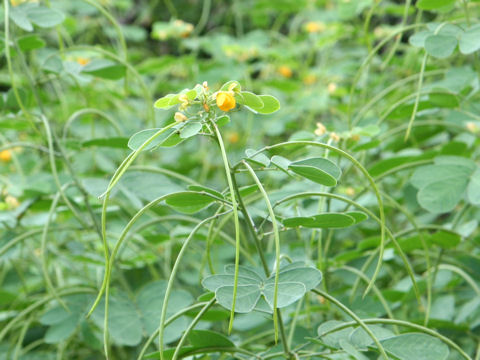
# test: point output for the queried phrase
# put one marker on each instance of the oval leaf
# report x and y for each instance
(319, 170)
(189, 202)
(330, 220)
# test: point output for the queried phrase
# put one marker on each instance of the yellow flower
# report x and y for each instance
(314, 27)
(83, 61)
(5, 155)
(285, 71)
(309, 79)
(225, 101)
(233, 137)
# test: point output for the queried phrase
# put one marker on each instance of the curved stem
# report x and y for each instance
(191, 326)
(374, 187)
(417, 98)
(356, 318)
(173, 273)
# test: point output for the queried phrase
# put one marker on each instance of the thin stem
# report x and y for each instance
(277, 246)
(235, 218)
(370, 179)
(417, 98)
(173, 273)
(191, 326)
(356, 318)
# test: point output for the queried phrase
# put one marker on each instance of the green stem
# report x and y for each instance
(235, 218)
(191, 326)
(370, 179)
(176, 265)
(356, 318)
(406, 324)
(417, 98)
(277, 247)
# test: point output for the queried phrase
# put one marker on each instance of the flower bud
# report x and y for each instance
(334, 137)
(320, 130)
(179, 117)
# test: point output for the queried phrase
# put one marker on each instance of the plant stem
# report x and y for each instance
(417, 98)
(235, 218)
(277, 246)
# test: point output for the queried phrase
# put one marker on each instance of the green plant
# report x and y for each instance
(343, 225)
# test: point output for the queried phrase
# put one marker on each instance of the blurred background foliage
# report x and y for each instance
(78, 78)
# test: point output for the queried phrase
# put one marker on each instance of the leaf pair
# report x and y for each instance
(442, 185)
(294, 281)
(403, 347)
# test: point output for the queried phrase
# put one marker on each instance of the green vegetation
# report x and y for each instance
(252, 179)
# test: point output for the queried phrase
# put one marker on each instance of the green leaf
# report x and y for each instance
(418, 39)
(280, 162)
(433, 4)
(200, 339)
(440, 46)
(53, 64)
(45, 17)
(246, 299)
(270, 104)
(473, 189)
(124, 323)
(259, 159)
(199, 188)
(111, 142)
(225, 86)
(62, 330)
(358, 216)
(442, 196)
(164, 102)
(105, 69)
(223, 120)
(470, 40)
(426, 175)
(328, 220)
(214, 282)
(18, 15)
(362, 340)
(189, 202)
(294, 280)
(173, 138)
(446, 239)
(250, 99)
(310, 277)
(150, 300)
(444, 100)
(139, 138)
(351, 350)
(287, 293)
(30, 42)
(54, 316)
(416, 346)
(319, 170)
(207, 338)
(190, 129)
(333, 339)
